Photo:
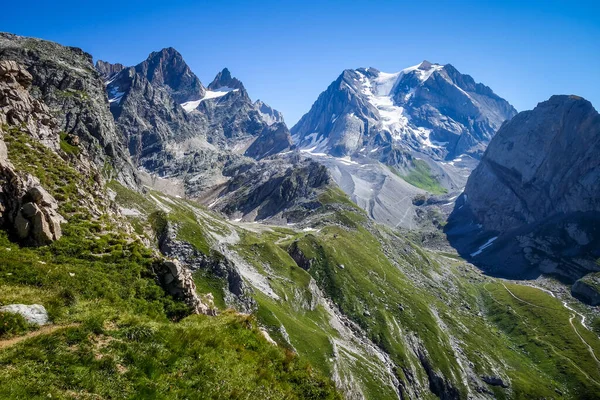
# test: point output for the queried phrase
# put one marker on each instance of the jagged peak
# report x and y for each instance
(225, 80)
(167, 67)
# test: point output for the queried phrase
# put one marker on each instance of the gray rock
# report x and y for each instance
(65, 80)
(536, 188)
(34, 313)
(108, 70)
(179, 283)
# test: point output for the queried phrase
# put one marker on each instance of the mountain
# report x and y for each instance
(429, 108)
(427, 125)
(177, 128)
(268, 113)
(167, 68)
(244, 275)
(108, 70)
(533, 200)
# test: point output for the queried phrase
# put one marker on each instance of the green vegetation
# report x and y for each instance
(538, 325)
(422, 178)
(66, 146)
(12, 325)
(115, 333)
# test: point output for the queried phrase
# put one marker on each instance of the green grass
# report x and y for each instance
(422, 178)
(223, 357)
(66, 146)
(125, 337)
(538, 325)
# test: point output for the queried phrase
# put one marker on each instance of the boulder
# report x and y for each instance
(34, 313)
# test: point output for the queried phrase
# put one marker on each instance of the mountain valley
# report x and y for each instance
(411, 237)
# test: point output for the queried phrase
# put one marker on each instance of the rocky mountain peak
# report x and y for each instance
(225, 80)
(426, 65)
(108, 70)
(167, 67)
(268, 113)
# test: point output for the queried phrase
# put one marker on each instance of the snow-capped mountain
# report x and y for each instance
(428, 108)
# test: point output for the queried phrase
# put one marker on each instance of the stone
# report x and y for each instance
(34, 313)
(40, 196)
(40, 230)
(587, 291)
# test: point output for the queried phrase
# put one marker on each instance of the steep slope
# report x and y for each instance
(536, 190)
(64, 78)
(119, 317)
(108, 70)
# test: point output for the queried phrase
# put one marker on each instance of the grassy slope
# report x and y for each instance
(422, 178)
(121, 339)
(434, 297)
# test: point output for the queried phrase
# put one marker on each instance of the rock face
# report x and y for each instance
(536, 188)
(26, 208)
(285, 188)
(587, 289)
(268, 113)
(237, 293)
(19, 108)
(108, 70)
(34, 314)
(167, 68)
(273, 139)
(65, 80)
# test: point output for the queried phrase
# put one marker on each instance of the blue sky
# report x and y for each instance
(286, 53)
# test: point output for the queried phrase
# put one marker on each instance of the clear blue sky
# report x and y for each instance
(286, 53)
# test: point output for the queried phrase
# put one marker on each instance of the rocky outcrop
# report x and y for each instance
(237, 294)
(35, 314)
(587, 290)
(179, 283)
(26, 208)
(284, 187)
(268, 113)
(18, 108)
(108, 70)
(65, 80)
(536, 190)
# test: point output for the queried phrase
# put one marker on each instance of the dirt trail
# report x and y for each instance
(45, 330)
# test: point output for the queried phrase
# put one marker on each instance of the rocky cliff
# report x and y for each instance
(536, 189)
(64, 78)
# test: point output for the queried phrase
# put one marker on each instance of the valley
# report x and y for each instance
(184, 243)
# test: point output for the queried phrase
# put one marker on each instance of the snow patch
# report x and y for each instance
(190, 106)
(484, 246)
